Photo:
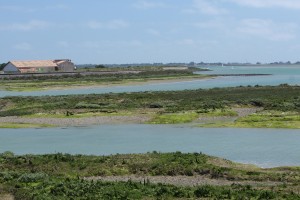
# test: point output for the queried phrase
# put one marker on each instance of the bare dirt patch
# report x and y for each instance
(241, 112)
(6, 197)
(180, 180)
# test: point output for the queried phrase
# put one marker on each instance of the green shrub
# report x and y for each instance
(87, 105)
(32, 177)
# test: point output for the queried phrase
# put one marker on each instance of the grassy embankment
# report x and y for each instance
(63, 176)
(24, 125)
(119, 77)
(217, 106)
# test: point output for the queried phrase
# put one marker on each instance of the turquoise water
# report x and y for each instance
(263, 147)
(281, 75)
(274, 70)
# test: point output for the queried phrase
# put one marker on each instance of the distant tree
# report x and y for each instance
(258, 63)
(99, 66)
(192, 63)
(2, 66)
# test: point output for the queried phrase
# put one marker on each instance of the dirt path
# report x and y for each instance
(6, 197)
(181, 180)
(241, 112)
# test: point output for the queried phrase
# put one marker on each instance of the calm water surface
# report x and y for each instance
(274, 70)
(263, 147)
(280, 75)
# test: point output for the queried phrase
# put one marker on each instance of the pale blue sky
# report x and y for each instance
(135, 31)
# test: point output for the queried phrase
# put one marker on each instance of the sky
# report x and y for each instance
(150, 31)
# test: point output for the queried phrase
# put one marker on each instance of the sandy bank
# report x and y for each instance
(78, 121)
(101, 120)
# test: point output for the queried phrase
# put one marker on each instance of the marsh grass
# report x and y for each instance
(280, 103)
(93, 113)
(264, 119)
(174, 118)
(24, 125)
(217, 113)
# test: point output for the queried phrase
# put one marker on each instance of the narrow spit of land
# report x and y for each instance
(97, 78)
(251, 107)
(141, 176)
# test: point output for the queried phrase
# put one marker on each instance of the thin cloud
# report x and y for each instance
(148, 5)
(153, 32)
(289, 4)
(267, 29)
(193, 42)
(114, 24)
(110, 43)
(24, 46)
(187, 42)
(211, 7)
(211, 24)
(63, 44)
(26, 9)
(28, 26)
(58, 7)
(13, 8)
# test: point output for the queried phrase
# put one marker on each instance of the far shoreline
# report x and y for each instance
(125, 82)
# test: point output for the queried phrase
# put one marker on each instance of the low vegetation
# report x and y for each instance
(24, 125)
(61, 176)
(264, 119)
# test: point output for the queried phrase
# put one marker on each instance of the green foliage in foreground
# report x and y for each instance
(53, 188)
(154, 164)
(59, 176)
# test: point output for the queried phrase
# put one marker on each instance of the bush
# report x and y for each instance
(32, 177)
(7, 154)
(87, 105)
(203, 191)
(155, 105)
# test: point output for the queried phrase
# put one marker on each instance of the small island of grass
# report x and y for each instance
(244, 107)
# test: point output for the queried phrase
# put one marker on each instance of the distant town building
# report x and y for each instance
(39, 66)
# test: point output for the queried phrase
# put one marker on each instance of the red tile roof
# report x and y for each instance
(34, 63)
